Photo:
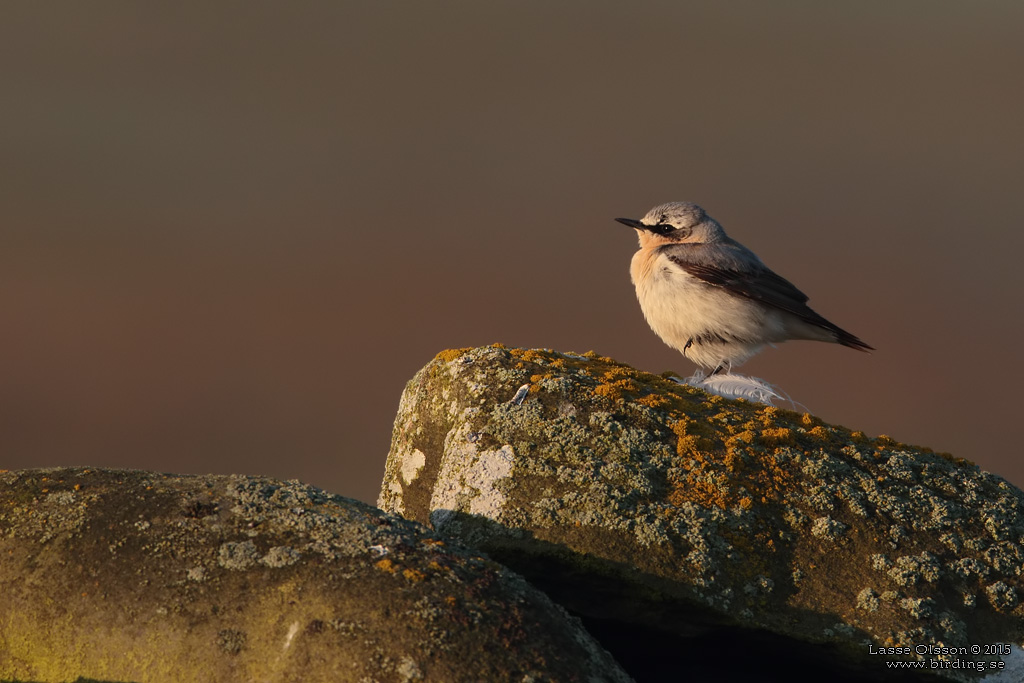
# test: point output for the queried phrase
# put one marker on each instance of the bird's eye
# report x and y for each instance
(663, 228)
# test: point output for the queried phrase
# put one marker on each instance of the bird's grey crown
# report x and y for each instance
(689, 222)
(679, 214)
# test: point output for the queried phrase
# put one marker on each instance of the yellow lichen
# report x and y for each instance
(820, 432)
(414, 575)
(448, 355)
(386, 565)
(531, 355)
(691, 436)
(654, 401)
(747, 436)
(777, 436)
(728, 474)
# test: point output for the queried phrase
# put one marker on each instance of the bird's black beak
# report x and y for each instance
(633, 223)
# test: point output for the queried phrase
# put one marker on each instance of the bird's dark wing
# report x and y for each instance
(751, 279)
(759, 284)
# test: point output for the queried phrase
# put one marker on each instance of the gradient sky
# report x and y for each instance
(233, 231)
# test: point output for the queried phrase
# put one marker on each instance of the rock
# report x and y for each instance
(138, 576)
(697, 532)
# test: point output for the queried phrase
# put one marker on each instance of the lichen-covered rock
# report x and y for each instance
(645, 504)
(137, 576)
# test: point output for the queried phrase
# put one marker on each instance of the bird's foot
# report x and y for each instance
(723, 367)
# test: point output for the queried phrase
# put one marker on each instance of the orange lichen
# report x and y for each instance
(769, 415)
(703, 492)
(820, 432)
(690, 441)
(531, 355)
(414, 575)
(777, 436)
(386, 565)
(608, 391)
(536, 379)
(448, 355)
(740, 439)
(619, 383)
(654, 401)
(733, 472)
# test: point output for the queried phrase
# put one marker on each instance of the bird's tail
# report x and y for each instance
(846, 339)
(820, 328)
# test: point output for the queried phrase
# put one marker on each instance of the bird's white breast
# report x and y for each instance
(680, 308)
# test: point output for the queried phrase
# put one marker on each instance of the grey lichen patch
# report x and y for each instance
(470, 477)
(919, 608)
(411, 466)
(42, 513)
(237, 556)
(616, 471)
(281, 556)
(868, 600)
(232, 641)
(828, 529)
(408, 670)
(908, 570)
(1001, 595)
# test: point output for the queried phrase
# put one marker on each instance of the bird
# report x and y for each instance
(709, 297)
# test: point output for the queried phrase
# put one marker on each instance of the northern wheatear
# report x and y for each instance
(711, 298)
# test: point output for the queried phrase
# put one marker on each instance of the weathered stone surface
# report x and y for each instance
(137, 576)
(665, 516)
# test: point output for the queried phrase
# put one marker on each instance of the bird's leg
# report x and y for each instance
(724, 365)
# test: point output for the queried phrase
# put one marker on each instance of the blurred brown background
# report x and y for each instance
(231, 232)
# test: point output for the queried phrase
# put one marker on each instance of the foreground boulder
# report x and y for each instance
(137, 576)
(681, 526)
